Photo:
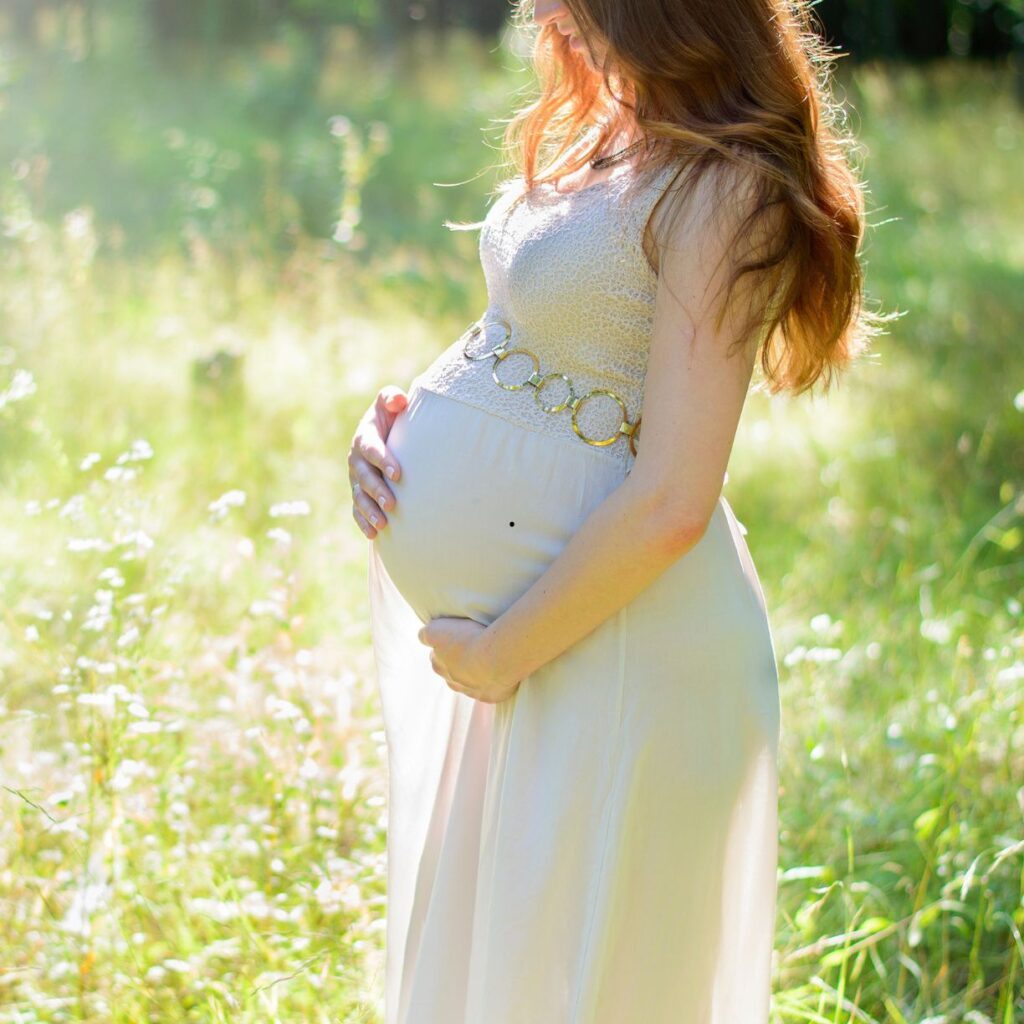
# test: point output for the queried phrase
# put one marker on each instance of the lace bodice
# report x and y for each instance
(568, 273)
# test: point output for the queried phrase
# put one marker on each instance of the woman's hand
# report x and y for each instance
(369, 459)
(459, 654)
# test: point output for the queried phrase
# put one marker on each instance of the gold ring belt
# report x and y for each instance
(575, 402)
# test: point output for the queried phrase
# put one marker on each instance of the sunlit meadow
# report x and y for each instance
(206, 276)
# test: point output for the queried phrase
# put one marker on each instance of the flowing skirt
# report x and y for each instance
(601, 848)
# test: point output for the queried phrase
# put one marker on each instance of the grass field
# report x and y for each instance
(192, 814)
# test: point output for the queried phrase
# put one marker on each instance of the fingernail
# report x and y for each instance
(390, 472)
(374, 519)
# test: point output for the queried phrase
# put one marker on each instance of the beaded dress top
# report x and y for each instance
(568, 273)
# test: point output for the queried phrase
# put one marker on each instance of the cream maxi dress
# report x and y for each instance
(600, 848)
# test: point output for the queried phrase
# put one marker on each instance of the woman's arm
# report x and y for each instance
(693, 399)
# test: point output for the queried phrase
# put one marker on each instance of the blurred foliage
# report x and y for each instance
(287, 151)
(912, 29)
(920, 29)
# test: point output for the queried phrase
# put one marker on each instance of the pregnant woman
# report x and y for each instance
(577, 674)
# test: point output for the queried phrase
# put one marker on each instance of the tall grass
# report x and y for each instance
(193, 792)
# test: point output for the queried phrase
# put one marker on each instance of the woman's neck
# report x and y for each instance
(621, 134)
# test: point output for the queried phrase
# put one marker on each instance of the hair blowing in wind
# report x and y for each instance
(740, 89)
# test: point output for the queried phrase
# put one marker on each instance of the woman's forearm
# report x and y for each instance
(623, 545)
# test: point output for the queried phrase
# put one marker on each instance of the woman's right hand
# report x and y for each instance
(369, 459)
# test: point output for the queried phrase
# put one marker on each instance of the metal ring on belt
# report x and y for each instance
(539, 381)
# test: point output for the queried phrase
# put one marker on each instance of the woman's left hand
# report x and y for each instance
(459, 655)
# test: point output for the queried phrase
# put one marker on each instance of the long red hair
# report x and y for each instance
(739, 88)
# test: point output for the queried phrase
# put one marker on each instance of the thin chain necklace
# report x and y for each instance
(614, 158)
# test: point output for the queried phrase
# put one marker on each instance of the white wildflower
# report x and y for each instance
(139, 451)
(22, 385)
(227, 501)
(289, 508)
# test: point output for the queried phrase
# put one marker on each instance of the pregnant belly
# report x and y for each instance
(483, 506)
